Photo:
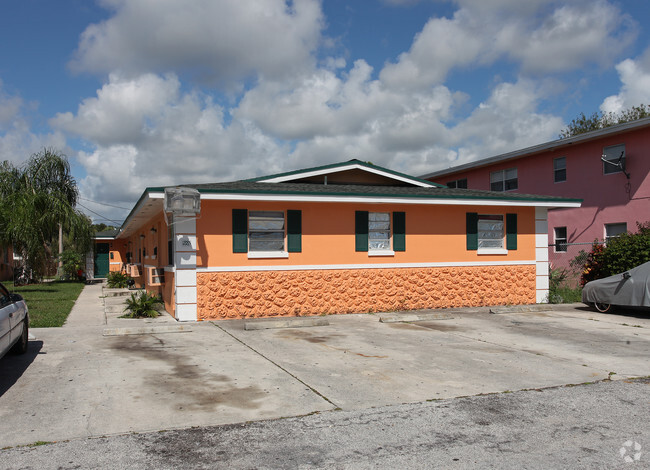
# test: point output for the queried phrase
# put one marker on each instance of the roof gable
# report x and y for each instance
(350, 172)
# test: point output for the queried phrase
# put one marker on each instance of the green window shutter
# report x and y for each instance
(511, 231)
(361, 231)
(294, 231)
(472, 230)
(239, 231)
(399, 231)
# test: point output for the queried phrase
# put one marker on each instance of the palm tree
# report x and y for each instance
(34, 200)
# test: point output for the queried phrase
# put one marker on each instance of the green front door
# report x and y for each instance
(101, 260)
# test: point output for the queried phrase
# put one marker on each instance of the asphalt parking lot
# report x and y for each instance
(77, 382)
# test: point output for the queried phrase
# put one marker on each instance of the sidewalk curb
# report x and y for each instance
(262, 324)
(533, 308)
(411, 317)
(145, 330)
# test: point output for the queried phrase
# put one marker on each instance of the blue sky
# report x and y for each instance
(140, 93)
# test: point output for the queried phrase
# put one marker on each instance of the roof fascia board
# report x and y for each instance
(353, 165)
(149, 193)
(552, 145)
(440, 200)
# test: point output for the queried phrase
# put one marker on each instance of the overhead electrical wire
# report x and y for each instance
(100, 215)
(103, 204)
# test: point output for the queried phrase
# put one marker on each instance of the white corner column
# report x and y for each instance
(185, 264)
(541, 253)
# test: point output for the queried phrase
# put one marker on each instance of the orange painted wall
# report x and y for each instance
(152, 253)
(433, 234)
(224, 295)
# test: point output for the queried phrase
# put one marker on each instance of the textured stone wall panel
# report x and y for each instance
(296, 293)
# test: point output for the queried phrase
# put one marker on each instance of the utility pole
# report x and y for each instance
(59, 271)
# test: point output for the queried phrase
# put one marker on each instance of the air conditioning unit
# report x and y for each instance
(182, 201)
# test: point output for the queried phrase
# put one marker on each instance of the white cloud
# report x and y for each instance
(539, 36)
(572, 36)
(215, 40)
(146, 132)
(506, 121)
(17, 139)
(635, 90)
(143, 128)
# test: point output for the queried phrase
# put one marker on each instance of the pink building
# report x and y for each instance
(607, 168)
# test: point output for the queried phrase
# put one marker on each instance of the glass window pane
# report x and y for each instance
(266, 245)
(378, 245)
(559, 163)
(511, 184)
(378, 225)
(379, 231)
(379, 216)
(379, 235)
(496, 176)
(511, 173)
(613, 154)
(490, 231)
(496, 186)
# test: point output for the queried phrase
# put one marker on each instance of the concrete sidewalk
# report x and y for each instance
(77, 382)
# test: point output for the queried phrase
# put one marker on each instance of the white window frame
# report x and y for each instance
(619, 225)
(380, 251)
(494, 220)
(257, 216)
(503, 177)
(560, 240)
(556, 170)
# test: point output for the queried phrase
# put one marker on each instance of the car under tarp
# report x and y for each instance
(630, 288)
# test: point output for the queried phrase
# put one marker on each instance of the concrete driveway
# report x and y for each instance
(76, 382)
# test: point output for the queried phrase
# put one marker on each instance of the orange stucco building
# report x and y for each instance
(344, 238)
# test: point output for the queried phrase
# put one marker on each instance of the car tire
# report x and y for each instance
(21, 346)
(602, 308)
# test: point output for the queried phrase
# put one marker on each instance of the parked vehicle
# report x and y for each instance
(14, 323)
(628, 289)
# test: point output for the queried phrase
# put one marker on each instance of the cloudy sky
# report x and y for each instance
(144, 93)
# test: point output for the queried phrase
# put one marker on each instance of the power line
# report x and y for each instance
(102, 216)
(103, 204)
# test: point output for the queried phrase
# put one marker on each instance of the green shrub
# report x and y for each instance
(558, 290)
(620, 254)
(142, 305)
(73, 262)
(116, 279)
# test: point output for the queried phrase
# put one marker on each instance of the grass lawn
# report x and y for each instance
(49, 303)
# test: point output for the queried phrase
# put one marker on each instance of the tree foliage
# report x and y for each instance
(621, 254)
(600, 120)
(103, 227)
(34, 199)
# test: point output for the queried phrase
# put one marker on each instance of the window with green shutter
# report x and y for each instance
(239, 231)
(294, 231)
(361, 231)
(511, 231)
(399, 231)
(472, 230)
(490, 233)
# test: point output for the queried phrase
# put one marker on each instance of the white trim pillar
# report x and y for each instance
(541, 254)
(185, 264)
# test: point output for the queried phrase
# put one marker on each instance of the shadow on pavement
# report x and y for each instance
(12, 367)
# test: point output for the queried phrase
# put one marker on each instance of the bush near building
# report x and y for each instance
(618, 255)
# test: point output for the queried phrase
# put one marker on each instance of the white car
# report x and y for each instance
(14, 323)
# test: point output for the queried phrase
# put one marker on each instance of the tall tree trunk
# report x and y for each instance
(60, 269)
